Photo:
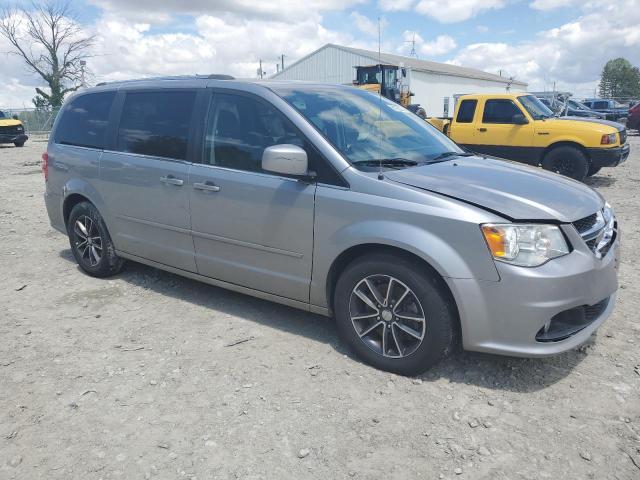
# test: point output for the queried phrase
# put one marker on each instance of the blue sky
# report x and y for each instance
(537, 41)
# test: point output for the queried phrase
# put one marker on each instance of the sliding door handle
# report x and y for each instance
(171, 180)
(207, 186)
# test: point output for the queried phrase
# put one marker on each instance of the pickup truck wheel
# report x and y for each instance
(568, 161)
(393, 314)
(19, 144)
(91, 243)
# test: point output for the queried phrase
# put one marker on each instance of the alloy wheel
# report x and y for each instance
(88, 241)
(387, 316)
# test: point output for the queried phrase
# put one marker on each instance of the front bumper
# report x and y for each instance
(13, 138)
(504, 317)
(609, 157)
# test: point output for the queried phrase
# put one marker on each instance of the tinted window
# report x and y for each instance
(84, 120)
(466, 111)
(156, 123)
(600, 105)
(499, 111)
(239, 128)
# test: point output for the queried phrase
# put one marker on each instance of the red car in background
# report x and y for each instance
(633, 120)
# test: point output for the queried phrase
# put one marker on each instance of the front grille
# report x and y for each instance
(585, 224)
(591, 312)
(597, 232)
(623, 136)
(11, 130)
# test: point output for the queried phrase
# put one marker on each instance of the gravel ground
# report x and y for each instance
(150, 375)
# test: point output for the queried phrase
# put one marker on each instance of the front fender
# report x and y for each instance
(465, 258)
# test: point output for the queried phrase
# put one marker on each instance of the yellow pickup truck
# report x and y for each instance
(520, 127)
(11, 130)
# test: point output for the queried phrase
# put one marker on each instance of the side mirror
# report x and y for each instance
(519, 119)
(286, 159)
(15, 117)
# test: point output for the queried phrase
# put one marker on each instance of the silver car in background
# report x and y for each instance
(335, 201)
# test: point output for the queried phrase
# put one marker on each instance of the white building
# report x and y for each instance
(434, 84)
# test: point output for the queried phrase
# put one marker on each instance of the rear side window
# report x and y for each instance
(466, 111)
(156, 123)
(499, 111)
(84, 120)
(601, 105)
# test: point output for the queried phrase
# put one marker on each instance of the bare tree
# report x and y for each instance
(48, 37)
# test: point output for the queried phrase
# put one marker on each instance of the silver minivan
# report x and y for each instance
(332, 200)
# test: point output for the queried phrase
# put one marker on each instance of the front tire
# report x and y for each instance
(593, 170)
(91, 243)
(395, 315)
(19, 144)
(568, 161)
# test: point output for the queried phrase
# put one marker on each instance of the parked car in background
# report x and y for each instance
(613, 110)
(335, 201)
(520, 127)
(571, 108)
(633, 121)
(12, 130)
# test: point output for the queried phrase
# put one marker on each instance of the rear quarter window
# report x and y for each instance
(84, 120)
(466, 111)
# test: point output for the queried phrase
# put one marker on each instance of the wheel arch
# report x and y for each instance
(566, 143)
(71, 201)
(357, 251)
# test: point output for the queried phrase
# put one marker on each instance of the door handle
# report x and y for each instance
(171, 180)
(482, 129)
(207, 186)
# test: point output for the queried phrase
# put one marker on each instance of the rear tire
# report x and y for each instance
(91, 243)
(386, 331)
(19, 144)
(568, 161)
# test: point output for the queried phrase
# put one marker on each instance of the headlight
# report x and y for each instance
(609, 139)
(527, 245)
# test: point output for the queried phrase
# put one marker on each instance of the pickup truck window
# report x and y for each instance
(601, 105)
(536, 108)
(499, 111)
(466, 111)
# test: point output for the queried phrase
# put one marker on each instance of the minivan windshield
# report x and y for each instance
(535, 107)
(367, 129)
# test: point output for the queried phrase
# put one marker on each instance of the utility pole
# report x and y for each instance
(412, 53)
(83, 65)
(260, 72)
(282, 61)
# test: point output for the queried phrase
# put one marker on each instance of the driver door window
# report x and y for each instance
(240, 128)
(499, 111)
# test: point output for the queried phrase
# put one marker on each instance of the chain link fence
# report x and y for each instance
(35, 121)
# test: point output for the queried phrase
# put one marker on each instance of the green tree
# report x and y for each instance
(620, 79)
(52, 44)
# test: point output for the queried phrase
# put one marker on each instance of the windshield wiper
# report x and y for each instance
(387, 162)
(444, 155)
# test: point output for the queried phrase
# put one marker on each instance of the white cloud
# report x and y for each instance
(366, 25)
(163, 10)
(395, 5)
(572, 55)
(551, 4)
(441, 45)
(458, 10)
(482, 28)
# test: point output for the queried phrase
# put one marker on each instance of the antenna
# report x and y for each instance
(380, 175)
(412, 53)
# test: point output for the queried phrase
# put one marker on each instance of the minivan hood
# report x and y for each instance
(513, 190)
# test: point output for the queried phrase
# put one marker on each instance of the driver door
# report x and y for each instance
(498, 135)
(250, 227)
